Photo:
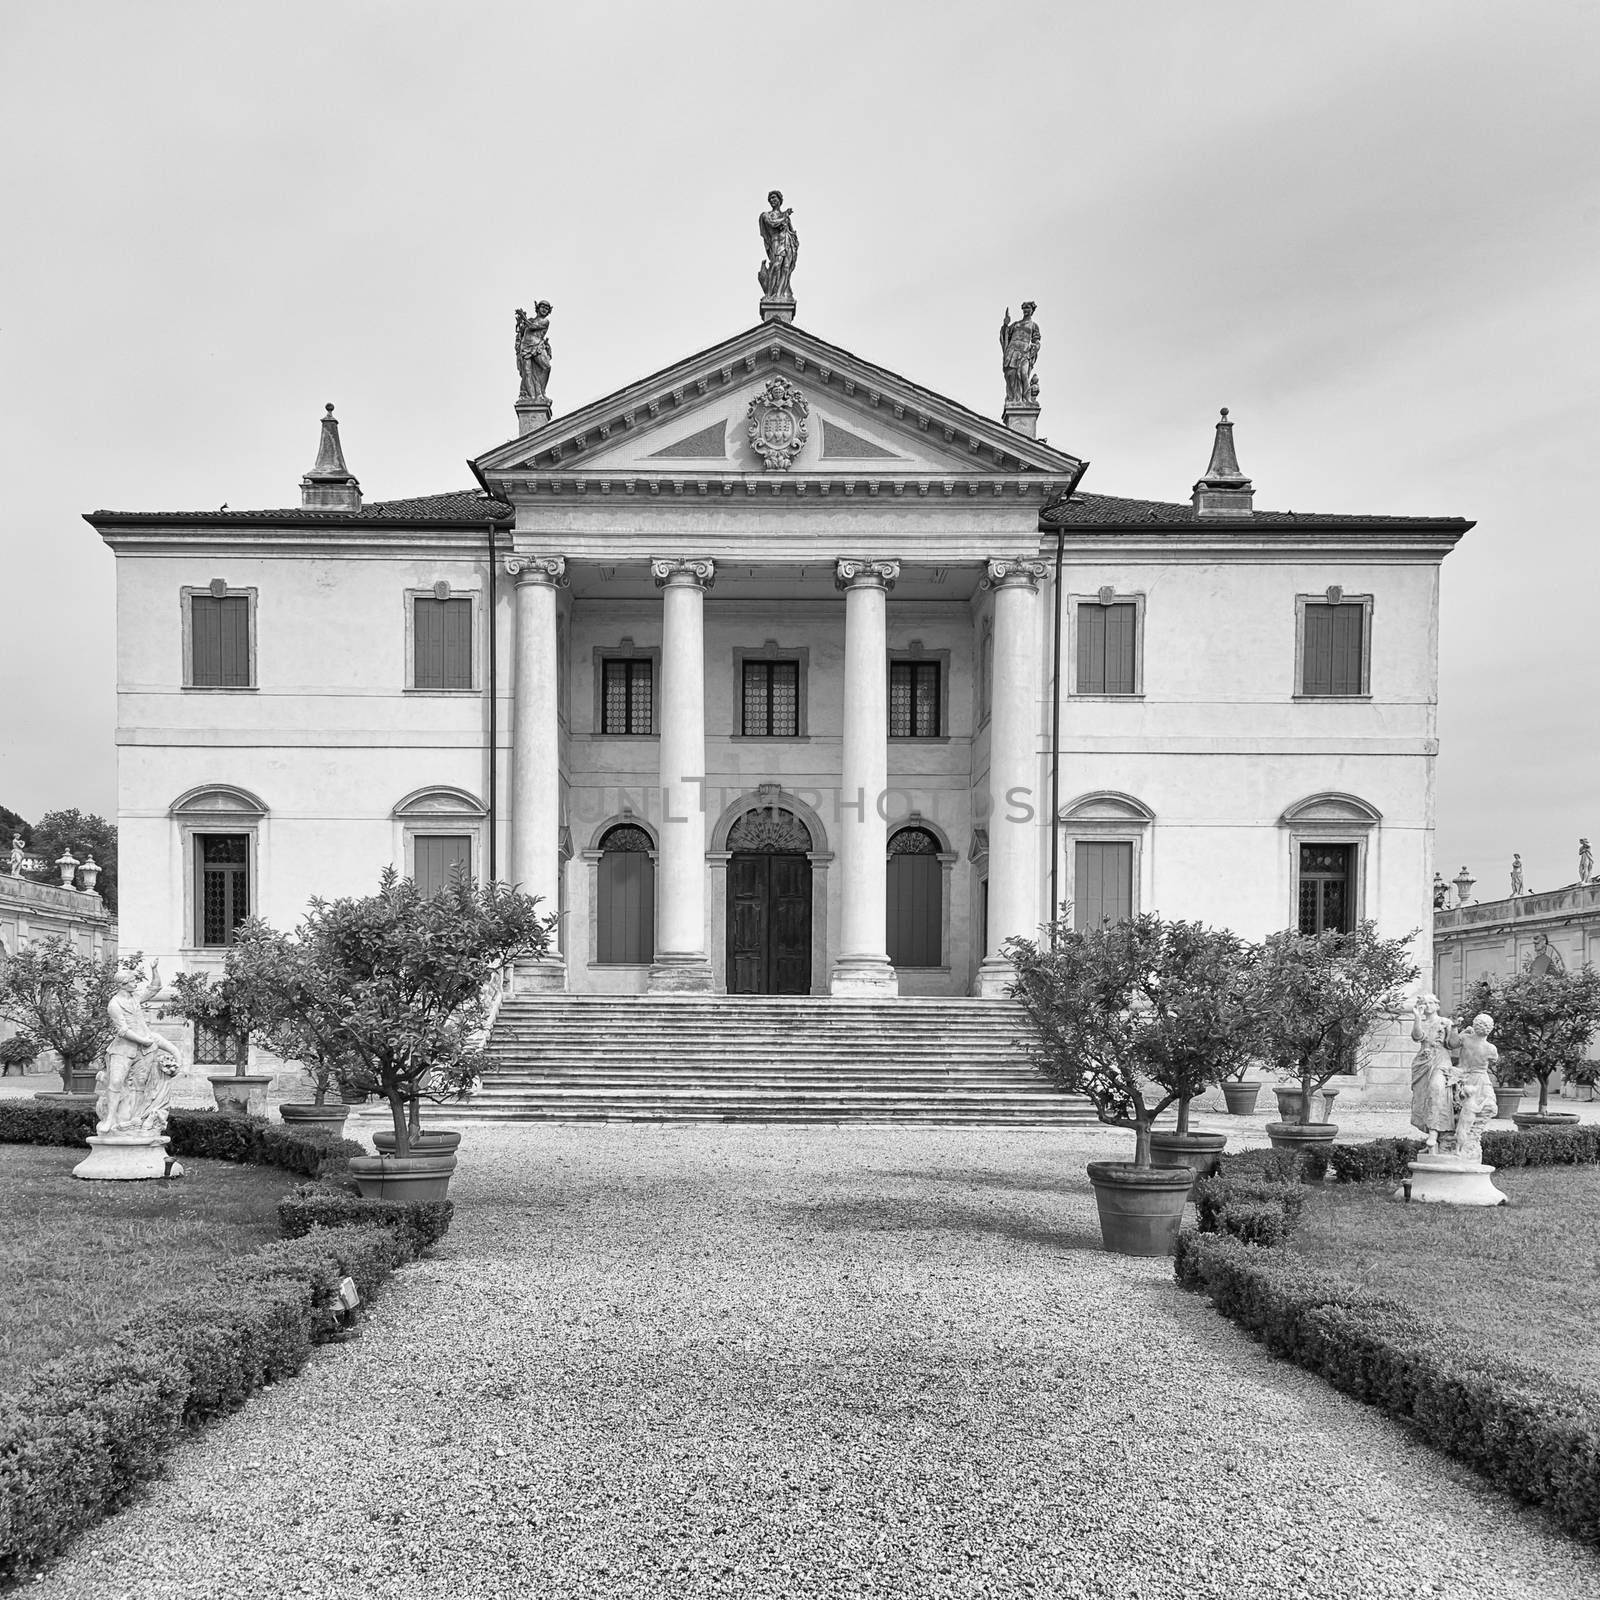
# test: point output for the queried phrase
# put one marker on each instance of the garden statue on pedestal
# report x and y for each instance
(134, 1090)
(1455, 1173)
(1432, 1111)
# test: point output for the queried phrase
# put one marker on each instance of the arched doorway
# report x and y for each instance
(915, 912)
(769, 904)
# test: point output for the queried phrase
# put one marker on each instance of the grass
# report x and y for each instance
(1524, 1278)
(76, 1258)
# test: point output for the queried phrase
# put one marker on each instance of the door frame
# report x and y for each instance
(769, 953)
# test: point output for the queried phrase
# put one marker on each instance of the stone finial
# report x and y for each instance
(1224, 491)
(91, 875)
(330, 485)
(1463, 882)
(67, 866)
(782, 245)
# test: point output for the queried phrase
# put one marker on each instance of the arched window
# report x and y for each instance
(916, 893)
(626, 898)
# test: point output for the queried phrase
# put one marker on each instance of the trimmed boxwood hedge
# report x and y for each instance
(94, 1425)
(1530, 1434)
(1387, 1160)
(213, 1135)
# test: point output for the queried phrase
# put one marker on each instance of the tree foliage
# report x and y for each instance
(1317, 998)
(59, 997)
(1136, 1015)
(389, 986)
(1542, 1024)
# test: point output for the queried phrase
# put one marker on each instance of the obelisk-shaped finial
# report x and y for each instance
(1224, 491)
(330, 485)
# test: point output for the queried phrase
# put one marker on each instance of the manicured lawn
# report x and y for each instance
(1525, 1279)
(76, 1257)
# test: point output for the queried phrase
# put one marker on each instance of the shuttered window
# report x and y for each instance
(1107, 648)
(915, 899)
(219, 641)
(435, 856)
(1102, 882)
(441, 643)
(627, 695)
(913, 699)
(222, 885)
(1332, 648)
(771, 700)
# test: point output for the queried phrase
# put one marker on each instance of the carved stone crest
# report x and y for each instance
(777, 424)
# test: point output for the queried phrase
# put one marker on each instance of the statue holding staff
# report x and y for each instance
(1019, 350)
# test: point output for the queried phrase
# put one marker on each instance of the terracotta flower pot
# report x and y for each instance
(1201, 1153)
(1290, 1099)
(1506, 1102)
(242, 1093)
(329, 1117)
(403, 1178)
(1140, 1207)
(1298, 1135)
(1241, 1098)
(430, 1142)
(1550, 1119)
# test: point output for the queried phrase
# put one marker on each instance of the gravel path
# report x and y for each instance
(762, 1361)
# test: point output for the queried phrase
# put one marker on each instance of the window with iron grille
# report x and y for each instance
(222, 881)
(771, 700)
(219, 641)
(1326, 890)
(913, 699)
(627, 696)
(441, 643)
(216, 1046)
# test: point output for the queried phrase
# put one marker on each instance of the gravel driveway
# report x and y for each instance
(696, 1361)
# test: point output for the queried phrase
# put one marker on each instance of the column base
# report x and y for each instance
(544, 976)
(864, 975)
(690, 974)
(995, 977)
(113, 1158)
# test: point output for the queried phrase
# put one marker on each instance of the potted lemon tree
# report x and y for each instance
(1542, 1025)
(1316, 999)
(391, 987)
(58, 997)
(1120, 1015)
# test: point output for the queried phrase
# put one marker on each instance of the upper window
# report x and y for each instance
(1326, 901)
(1334, 645)
(771, 700)
(1102, 873)
(914, 701)
(1108, 646)
(441, 643)
(627, 697)
(219, 639)
(222, 873)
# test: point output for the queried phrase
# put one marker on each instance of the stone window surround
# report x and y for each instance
(626, 650)
(627, 817)
(771, 651)
(216, 808)
(1104, 816)
(449, 592)
(1102, 596)
(915, 651)
(439, 808)
(186, 593)
(947, 859)
(1301, 601)
(1330, 818)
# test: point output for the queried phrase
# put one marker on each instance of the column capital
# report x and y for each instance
(1014, 572)
(852, 573)
(683, 572)
(551, 570)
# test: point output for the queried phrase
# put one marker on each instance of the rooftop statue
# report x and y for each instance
(782, 245)
(533, 350)
(1516, 876)
(1019, 350)
(1585, 861)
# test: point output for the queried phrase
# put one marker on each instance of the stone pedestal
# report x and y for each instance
(684, 974)
(122, 1157)
(778, 310)
(532, 415)
(1450, 1181)
(1021, 418)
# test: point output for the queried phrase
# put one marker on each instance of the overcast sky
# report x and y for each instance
(1370, 230)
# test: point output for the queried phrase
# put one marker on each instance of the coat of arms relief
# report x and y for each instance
(777, 424)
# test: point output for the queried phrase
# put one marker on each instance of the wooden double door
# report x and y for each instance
(769, 923)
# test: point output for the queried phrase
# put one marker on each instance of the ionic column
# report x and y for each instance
(535, 743)
(863, 966)
(681, 962)
(1017, 808)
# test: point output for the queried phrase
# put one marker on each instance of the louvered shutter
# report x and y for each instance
(1346, 648)
(1317, 670)
(436, 856)
(1102, 883)
(427, 644)
(219, 641)
(1091, 649)
(455, 622)
(1120, 619)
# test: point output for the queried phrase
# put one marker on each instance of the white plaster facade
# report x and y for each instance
(645, 526)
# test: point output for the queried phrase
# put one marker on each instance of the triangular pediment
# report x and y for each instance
(709, 416)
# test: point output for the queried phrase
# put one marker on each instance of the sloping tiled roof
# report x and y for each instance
(1112, 511)
(459, 506)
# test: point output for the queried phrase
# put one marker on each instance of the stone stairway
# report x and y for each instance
(757, 1058)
